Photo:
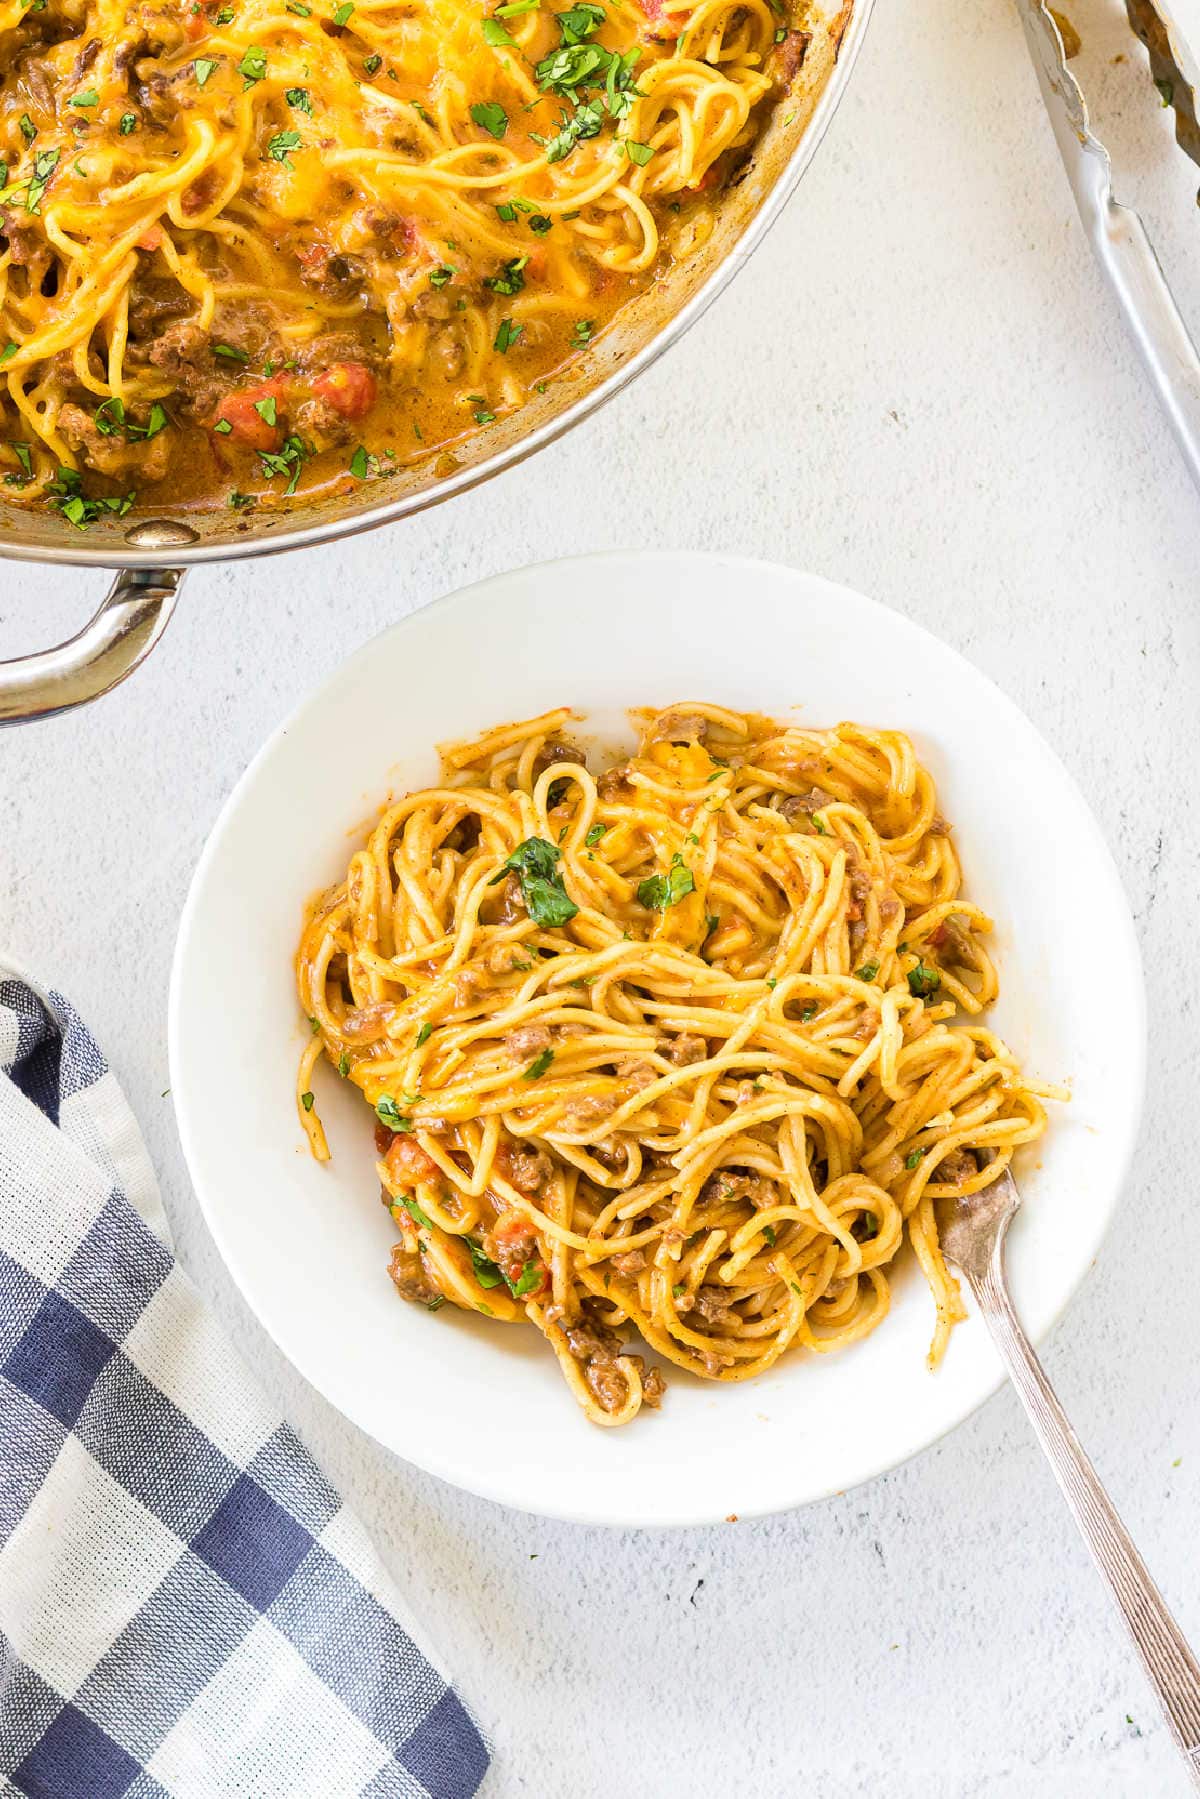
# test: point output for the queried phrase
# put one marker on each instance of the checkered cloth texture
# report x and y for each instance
(186, 1606)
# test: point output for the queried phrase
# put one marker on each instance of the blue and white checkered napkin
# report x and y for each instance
(186, 1606)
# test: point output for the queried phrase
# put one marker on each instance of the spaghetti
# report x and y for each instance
(674, 1049)
(277, 244)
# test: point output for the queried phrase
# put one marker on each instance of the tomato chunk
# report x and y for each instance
(407, 1162)
(349, 387)
(249, 413)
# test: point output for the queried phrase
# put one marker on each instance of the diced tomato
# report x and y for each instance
(407, 1162)
(937, 936)
(150, 240)
(246, 423)
(349, 387)
(512, 1225)
(195, 25)
(313, 259)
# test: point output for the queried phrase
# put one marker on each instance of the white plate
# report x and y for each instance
(485, 1407)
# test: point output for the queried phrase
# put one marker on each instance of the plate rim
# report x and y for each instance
(441, 1467)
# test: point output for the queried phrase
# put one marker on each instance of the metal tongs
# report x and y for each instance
(1117, 234)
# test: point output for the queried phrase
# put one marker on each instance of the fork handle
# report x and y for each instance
(1169, 1663)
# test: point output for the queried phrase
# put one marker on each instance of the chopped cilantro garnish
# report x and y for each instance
(231, 353)
(538, 1066)
(440, 276)
(44, 165)
(342, 13)
(424, 1034)
(535, 864)
(507, 336)
(511, 278)
(88, 98)
(8, 352)
(372, 65)
(658, 892)
(306, 1100)
(490, 116)
(266, 409)
(288, 460)
(127, 124)
(279, 147)
(389, 1113)
(923, 980)
(27, 127)
(299, 99)
(581, 333)
(495, 35)
(867, 972)
(637, 153)
(253, 65)
(594, 835)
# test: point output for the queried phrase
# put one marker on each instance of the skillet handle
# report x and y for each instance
(135, 613)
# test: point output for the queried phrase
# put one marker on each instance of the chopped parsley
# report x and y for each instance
(223, 427)
(440, 276)
(299, 99)
(424, 1034)
(529, 1277)
(658, 892)
(538, 1066)
(8, 352)
(202, 68)
(768, 1232)
(495, 35)
(483, 417)
(490, 116)
(67, 497)
(486, 1272)
(539, 224)
(253, 65)
(414, 1211)
(360, 464)
(88, 98)
(913, 1158)
(819, 825)
(279, 147)
(535, 864)
(27, 127)
(44, 165)
(515, 7)
(342, 13)
(581, 333)
(923, 980)
(266, 409)
(306, 1100)
(372, 65)
(867, 972)
(507, 336)
(343, 1064)
(127, 124)
(594, 835)
(809, 1011)
(637, 153)
(231, 353)
(288, 460)
(389, 1113)
(224, 17)
(109, 419)
(511, 278)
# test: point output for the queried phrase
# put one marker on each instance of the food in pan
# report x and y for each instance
(681, 1047)
(272, 245)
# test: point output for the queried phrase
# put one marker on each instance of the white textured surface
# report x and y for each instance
(917, 388)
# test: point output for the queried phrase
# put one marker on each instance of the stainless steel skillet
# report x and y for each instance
(152, 555)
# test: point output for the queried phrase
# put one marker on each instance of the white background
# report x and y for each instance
(919, 388)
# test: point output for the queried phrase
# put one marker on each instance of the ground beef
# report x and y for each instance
(653, 1387)
(956, 1168)
(155, 302)
(611, 784)
(684, 1050)
(111, 454)
(550, 753)
(448, 352)
(679, 727)
(184, 355)
(636, 1073)
(27, 248)
(713, 1305)
(86, 58)
(581, 1114)
(528, 1040)
(726, 1186)
(632, 1262)
(367, 1024)
(529, 1170)
(337, 346)
(337, 277)
(787, 58)
(317, 419)
(803, 805)
(411, 1278)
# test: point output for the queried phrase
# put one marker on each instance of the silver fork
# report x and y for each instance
(973, 1230)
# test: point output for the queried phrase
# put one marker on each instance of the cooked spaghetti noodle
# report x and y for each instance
(273, 244)
(684, 1049)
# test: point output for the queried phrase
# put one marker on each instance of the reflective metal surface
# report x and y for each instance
(1118, 238)
(645, 328)
(135, 613)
